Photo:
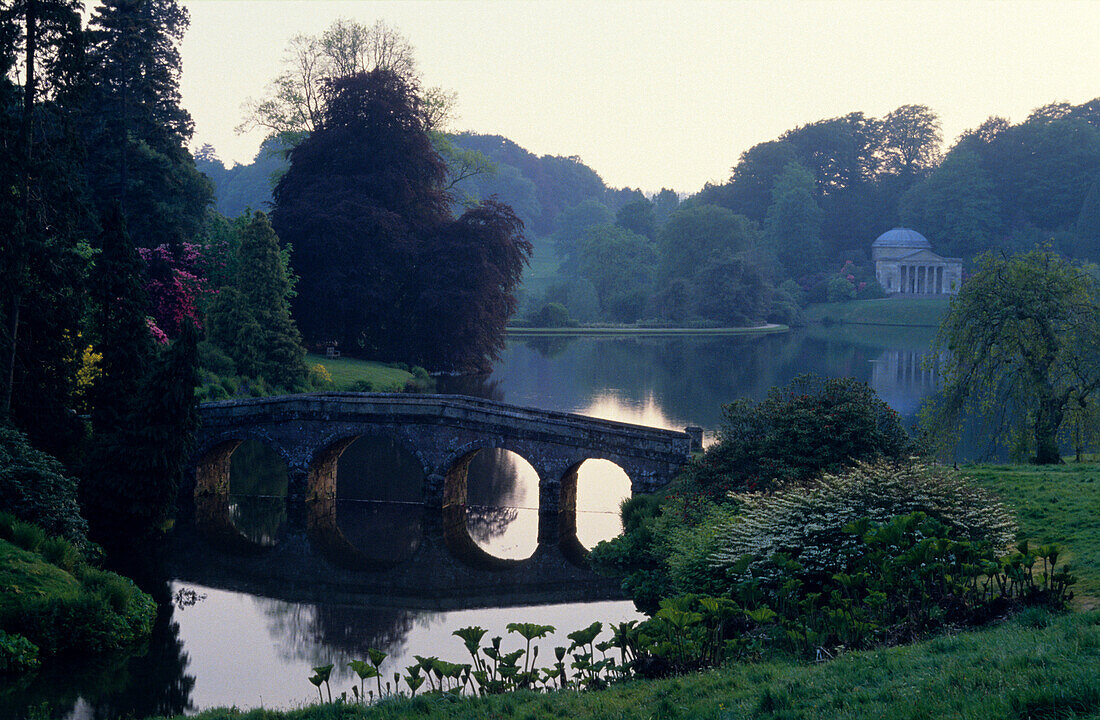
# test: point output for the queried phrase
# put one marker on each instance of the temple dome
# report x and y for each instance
(901, 237)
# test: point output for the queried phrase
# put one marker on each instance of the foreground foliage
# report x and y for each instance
(1055, 504)
(1037, 665)
(36, 488)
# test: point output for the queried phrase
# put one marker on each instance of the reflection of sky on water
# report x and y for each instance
(263, 650)
(644, 410)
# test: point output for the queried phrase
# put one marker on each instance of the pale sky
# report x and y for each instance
(663, 94)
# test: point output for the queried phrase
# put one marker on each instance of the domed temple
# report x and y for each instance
(906, 265)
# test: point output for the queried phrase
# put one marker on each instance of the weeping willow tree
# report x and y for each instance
(1020, 350)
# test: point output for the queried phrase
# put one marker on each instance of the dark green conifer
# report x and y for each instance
(250, 321)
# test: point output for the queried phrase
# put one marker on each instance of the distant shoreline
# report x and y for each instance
(614, 330)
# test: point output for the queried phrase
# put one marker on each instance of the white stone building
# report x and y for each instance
(905, 264)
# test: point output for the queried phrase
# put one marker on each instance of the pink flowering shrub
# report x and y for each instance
(175, 284)
(159, 335)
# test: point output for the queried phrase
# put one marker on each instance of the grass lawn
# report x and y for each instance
(925, 312)
(1057, 504)
(346, 371)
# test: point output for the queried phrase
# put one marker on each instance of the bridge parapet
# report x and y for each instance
(468, 413)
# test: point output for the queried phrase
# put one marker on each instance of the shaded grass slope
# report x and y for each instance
(347, 371)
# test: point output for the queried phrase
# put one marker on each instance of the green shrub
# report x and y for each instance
(214, 360)
(809, 426)
(361, 386)
(108, 616)
(869, 290)
(27, 536)
(34, 487)
(60, 552)
(552, 315)
(17, 654)
(7, 526)
(839, 289)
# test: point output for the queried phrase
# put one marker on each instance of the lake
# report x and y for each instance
(243, 642)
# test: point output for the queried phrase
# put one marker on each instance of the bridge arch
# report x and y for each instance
(327, 518)
(441, 432)
(245, 525)
(455, 503)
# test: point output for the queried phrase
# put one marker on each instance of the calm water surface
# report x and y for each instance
(219, 646)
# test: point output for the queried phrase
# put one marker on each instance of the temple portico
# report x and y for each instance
(906, 265)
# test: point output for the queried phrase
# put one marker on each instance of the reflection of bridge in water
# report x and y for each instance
(443, 433)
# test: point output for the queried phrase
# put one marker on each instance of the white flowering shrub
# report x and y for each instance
(807, 521)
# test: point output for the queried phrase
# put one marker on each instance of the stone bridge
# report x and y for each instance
(443, 433)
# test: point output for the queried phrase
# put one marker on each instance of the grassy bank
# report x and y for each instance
(921, 312)
(346, 372)
(1033, 666)
(60, 604)
(1057, 504)
(631, 330)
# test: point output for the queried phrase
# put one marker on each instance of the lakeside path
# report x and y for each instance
(615, 330)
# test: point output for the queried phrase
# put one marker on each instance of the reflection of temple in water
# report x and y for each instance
(904, 378)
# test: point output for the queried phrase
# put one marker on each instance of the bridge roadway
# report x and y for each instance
(443, 433)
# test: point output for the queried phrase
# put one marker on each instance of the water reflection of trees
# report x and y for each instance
(328, 632)
(691, 377)
(257, 492)
(494, 491)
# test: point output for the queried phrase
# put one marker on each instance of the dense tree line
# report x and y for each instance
(95, 166)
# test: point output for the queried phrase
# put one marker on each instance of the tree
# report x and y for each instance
(638, 217)
(573, 223)
(693, 235)
(44, 214)
(621, 265)
(754, 176)
(467, 275)
(250, 320)
(133, 474)
(729, 290)
(955, 206)
(911, 140)
(294, 102)
(792, 227)
(364, 206)
(1087, 227)
(119, 325)
(135, 124)
(1021, 343)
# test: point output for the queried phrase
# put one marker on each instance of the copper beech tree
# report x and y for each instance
(385, 269)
